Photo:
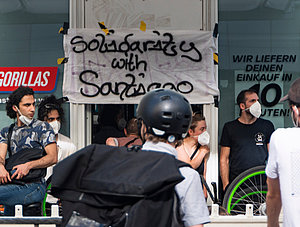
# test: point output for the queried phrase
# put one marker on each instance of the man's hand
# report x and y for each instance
(4, 175)
(20, 170)
(273, 202)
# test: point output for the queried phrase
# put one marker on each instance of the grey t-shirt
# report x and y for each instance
(192, 202)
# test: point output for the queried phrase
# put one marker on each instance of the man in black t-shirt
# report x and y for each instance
(244, 141)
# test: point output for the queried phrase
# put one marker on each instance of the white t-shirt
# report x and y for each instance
(284, 162)
(65, 148)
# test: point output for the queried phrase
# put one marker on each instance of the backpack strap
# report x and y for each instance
(10, 130)
(135, 148)
(196, 150)
(131, 141)
(176, 216)
(182, 164)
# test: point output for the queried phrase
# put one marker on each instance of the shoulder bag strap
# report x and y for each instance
(129, 142)
(10, 130)
(195, 152)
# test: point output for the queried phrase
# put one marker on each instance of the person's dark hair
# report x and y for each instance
(241, 98)
(195, 119)
(132, 127)
(48, 104)
(15, 98)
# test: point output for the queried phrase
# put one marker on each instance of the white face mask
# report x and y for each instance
(56, 126)
(25, 120)
(295, 119)
(255, 109)
(203, 138)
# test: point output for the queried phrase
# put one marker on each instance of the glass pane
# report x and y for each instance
(258, 46)
(29, 38)
(107, 119)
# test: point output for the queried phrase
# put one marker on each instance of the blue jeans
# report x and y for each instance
(14, 194)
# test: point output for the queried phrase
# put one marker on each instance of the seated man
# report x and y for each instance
(132, 136)
(27, 132)
(50, 110)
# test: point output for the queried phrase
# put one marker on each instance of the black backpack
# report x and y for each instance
(23, 156)
(114, 186)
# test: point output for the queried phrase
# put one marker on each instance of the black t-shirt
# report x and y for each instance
(248, 144)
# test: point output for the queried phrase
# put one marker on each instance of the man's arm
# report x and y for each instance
(4, 175)
(49, 159)
(224, 165)
(273, 202)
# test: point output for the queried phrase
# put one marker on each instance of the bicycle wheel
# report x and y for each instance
(250, 187)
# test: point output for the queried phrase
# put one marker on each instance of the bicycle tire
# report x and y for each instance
(44, 209)
(248, 185)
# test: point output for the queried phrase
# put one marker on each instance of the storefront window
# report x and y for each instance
(259, 44)
(109, 120)
(29, 38)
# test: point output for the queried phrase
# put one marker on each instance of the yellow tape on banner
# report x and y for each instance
(103, 27)
(62, 61)
(143, 26)
(61, 30)
(216, 58)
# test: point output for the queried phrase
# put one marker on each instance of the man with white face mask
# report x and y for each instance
(194, 148)
(244, 141)
(50, 110)
(23, 137)
(283, 169)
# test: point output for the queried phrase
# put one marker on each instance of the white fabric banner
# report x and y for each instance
(122, 66)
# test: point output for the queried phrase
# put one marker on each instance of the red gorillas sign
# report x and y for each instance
(40, 79)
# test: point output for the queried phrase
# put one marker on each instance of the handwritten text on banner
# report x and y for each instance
(123, 66)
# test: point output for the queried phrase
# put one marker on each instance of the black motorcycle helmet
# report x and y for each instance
(165, 113)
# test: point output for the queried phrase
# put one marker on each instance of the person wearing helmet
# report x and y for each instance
(164, 117)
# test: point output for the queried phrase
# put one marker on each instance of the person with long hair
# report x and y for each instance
(194, 149)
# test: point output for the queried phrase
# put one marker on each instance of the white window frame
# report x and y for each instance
(80, 114)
